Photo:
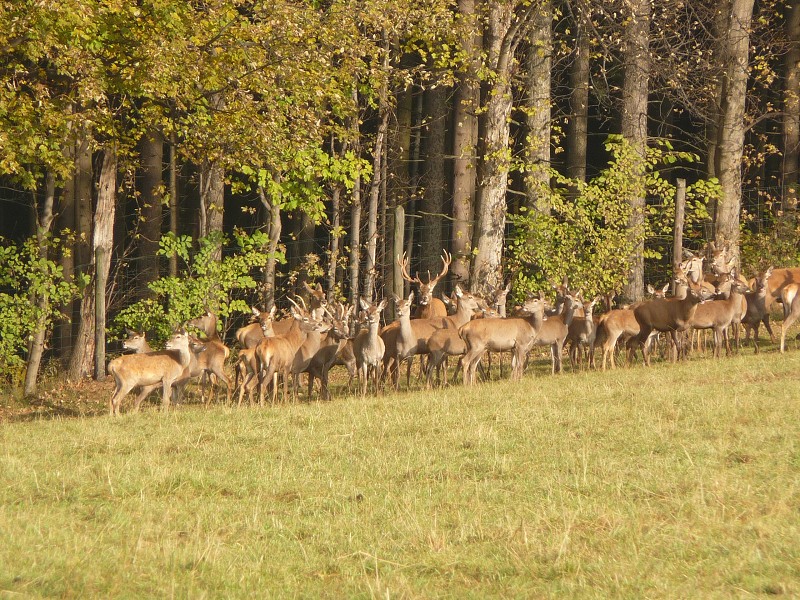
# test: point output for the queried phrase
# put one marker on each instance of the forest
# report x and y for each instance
(161, 158)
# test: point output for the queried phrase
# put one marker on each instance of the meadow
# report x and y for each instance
(673, 481)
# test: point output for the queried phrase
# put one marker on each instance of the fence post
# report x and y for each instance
(677, 242)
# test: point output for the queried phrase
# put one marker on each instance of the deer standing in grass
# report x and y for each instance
(554, 330)
(368, 347)
(790, 298)
(337, 339)
(275, 355)
(212, 360)
(757, 310)
(149, 369)
(719, 315)
(668, 315)
(582, 331)
(515, 334)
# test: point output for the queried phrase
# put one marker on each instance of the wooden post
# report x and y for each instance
(101, 278)
(398, 245)
(677, 244)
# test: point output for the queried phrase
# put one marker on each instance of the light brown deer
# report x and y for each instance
(719, 315)
(335, 342)
(555, 328)
(212, 360)
(515, 334)
(368, 347)
(148, 369)
(429, 306)
(611, 326)
(757, 310)
(790, 298)
(582, 332)
(668, 315)
(275, 355)
(137, 342)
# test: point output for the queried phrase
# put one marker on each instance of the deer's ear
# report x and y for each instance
(395, 297)
(382, 304)
(363, 303)
(650, 289)
(255, 311)
(411, 296)
(458, 291)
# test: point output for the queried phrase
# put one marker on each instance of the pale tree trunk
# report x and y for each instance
(102, 243)
(82, 356)
(333, 247)
(355, 214)
(791, 107)
(634, 131)
(465, 135)
(434, 182)
(735, 55)
(505, 29)
(273, 207)
(374, 193)
(578, 125)
(303, 236)
(43, 225)
(414, 174)
(537, 81)
(152, 156)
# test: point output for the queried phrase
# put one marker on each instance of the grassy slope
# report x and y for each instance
(675, 481)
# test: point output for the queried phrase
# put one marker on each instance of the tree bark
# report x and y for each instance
(634, 131)
(355, 242)
(173, 198)
(539, 65)
(102, 244)
(273, 207)
(212, 199)
(152, 153)
(333, 245)
(735, 54)
(43, 226)
(374, 197)
(791, 107)
(434, 182)
(578, 125)
(465, 135)
(66, 220)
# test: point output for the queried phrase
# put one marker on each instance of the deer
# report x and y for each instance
(554, 330)
(408, 338)
(212, 360)
(429, 306)
(251, 335)
(309, 348)
(582, 331)
(516, 334)
(616, 323)
(368, 346)
(719, 315)
(336, 340)
(757, 310)
(671, 315)
(790, 298)
(137, 342)
(148, 369)
(276, 355)
(246, 360)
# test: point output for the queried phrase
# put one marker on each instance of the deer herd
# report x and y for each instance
(319, 334)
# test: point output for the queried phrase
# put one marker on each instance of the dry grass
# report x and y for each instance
(674, 481)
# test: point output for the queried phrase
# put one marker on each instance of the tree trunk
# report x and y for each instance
(791, 107)
(212, 199)
(152, 153)
(82, 357)
(634, 131)
(494, 162)
(173, 198)
(333, 245)
(735, 55)
(578, 126)
(539, 65)
(43, 225)
(434, 181)
(374, 197)
(355, 242)
(66, 220)
(465, 135)
(273, 207)
(102, 244)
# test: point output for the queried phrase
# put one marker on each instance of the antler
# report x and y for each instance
(446, 260)
(403, 262)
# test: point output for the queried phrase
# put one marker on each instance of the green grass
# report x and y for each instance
(675, 481)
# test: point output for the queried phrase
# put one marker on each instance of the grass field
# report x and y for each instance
(676, 481)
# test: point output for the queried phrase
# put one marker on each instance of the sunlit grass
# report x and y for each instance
(674, 481)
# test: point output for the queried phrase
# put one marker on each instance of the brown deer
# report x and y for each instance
(429, 306)
(555, 328)
(334, 344)
(719, 315)
(757, 310)
(790, 298)
(368, 347)
(611, 326)
(212, 360)
(137, 342)
(148, 369)
(668, 315)
(276, 355)
(408, 338)
(582, 332)
(515, 334)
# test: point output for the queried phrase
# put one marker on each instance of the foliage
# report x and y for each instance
(205, 283)
(25, 276)
(777, 245)
(587, 235)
